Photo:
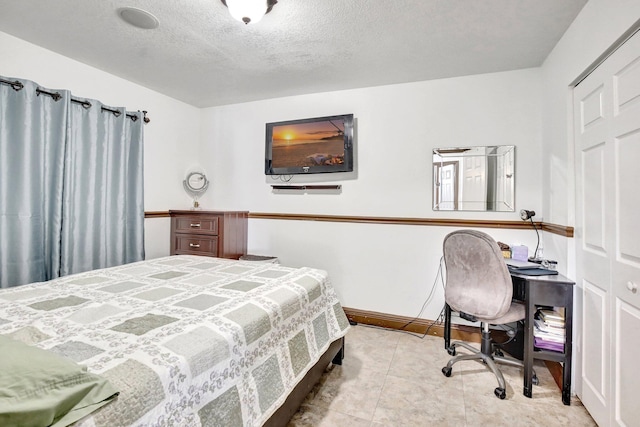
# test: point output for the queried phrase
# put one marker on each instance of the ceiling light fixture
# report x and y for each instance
(249, 11)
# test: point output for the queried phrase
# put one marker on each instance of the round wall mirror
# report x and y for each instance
(196, 185)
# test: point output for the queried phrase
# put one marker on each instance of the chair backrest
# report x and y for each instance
(478, 280)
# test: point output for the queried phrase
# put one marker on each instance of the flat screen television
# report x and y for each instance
(308, 146)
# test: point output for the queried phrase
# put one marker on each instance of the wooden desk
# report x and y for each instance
(556, 291)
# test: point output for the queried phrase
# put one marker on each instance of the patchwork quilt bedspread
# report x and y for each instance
(188, 340)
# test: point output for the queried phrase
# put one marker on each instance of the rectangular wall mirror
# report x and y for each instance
(474, 178)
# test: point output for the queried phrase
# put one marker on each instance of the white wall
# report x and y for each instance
(171, 137)
(385, 268)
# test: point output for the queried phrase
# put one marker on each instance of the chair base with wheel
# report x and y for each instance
(486, 355)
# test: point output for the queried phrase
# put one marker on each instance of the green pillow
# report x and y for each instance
(41, 388)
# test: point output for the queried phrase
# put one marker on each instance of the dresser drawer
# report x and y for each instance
(196, 245)
(208, 225)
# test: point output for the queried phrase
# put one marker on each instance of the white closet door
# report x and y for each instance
(607, 133)
(592, 109)
(625, 131)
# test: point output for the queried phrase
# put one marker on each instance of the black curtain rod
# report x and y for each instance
(87, 104)
(16, 85)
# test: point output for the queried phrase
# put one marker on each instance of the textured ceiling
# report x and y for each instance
(202, 56)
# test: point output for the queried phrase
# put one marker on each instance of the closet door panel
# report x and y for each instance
(595, 344)
(627, 177)
(627, 410)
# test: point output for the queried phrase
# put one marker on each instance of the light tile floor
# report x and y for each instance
(390, 378)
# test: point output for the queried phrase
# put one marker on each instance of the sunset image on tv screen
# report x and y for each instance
(308, 144)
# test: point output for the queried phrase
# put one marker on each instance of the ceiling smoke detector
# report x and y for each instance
(138, 18)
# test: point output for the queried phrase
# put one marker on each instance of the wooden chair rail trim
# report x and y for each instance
(560, 230)
(443, 222)
(157, 214)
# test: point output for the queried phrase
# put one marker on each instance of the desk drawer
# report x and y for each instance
(196, 245)
(208, 225)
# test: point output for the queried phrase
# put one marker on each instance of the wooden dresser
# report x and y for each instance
(220, 234)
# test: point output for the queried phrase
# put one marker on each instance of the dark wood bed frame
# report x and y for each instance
(283, 415)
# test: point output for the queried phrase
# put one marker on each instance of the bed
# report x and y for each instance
(187, 340)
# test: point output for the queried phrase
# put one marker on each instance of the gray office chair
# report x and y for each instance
(479, 287)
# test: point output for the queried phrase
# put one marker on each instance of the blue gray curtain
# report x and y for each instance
(71, 184)
(32, 135)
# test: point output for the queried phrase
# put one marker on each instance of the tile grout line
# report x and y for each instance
(386, 376)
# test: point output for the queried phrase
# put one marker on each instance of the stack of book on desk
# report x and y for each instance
(548, 330)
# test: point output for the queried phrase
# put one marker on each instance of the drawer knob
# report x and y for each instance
(195, 225)
(194, 245)
(632, 287)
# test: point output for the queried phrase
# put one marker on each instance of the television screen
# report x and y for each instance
(318, 145)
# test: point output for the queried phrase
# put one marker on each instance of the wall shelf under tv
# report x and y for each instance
(306, 187)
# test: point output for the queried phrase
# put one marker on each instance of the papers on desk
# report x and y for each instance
(528, 268)
(548, 330)
(515, 264)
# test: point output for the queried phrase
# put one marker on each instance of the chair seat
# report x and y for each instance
(516, 312)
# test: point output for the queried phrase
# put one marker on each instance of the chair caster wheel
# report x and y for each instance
(534, 380)
(499, 353)
(446, 371)
(500, 393)
(451, 351)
